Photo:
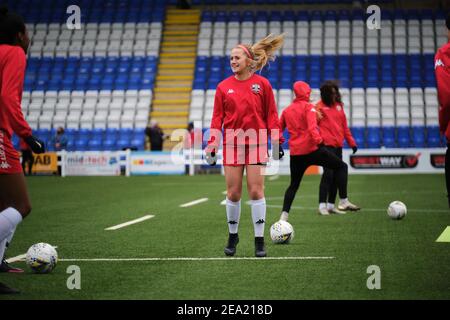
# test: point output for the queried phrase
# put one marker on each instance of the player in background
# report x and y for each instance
(245, 108)
(442, 71)
(306, 146)
(333, 129)
(14, 201)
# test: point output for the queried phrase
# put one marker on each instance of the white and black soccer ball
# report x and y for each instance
(42, 258)
(281, 232)
(396, 210)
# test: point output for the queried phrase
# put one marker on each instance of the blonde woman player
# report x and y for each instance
(244, 107)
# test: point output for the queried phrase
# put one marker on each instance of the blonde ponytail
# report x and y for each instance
(264, 50)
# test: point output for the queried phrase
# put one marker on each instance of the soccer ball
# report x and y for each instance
(42, 258)
(397, 210)
(281, 232)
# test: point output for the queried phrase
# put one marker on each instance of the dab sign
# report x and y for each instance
(45, 163)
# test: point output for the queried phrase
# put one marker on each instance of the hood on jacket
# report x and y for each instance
(302, 91)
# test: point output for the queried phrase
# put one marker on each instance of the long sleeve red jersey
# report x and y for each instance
(300, 118)
(246, 110)
(333, 126)
(442, 71)
(12, 71)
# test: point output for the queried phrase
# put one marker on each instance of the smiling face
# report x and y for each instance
(238, 61)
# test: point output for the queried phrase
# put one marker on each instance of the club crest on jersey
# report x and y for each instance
(338, 108)
(256, 88)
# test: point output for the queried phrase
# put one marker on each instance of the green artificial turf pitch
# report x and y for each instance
(73, 212)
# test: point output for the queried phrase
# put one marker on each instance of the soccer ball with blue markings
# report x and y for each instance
(42, 258)
(281, 232)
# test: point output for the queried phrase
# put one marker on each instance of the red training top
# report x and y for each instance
(300, 118)
(247, 107)
(442, 71)
(333, 125)
(12, 71)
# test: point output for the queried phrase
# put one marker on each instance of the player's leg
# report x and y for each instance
(328, 159)
(233, 180)
(447, 172)
(325, 184)
(14, 207)
(255, 187)
(332, 192)
(298, 165)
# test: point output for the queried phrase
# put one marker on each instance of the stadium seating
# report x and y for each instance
(98, 77)
(386, 75)
(98, 81)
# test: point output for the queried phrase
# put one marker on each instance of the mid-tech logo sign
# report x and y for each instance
(437, 160)
(397, 161)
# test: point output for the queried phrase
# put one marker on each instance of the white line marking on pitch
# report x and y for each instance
(273, 178)
(196, 259)
(224, 202)
(225, 192)
(21, 257)
(125, 224)
(193, 203)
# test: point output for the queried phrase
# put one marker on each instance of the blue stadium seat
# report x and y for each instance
(418, 137)
(95, 144)
(358, 134)
(109, 145)
(389, 137)
(433, 137)
(81, 145)
(373, 137)
(403, 137)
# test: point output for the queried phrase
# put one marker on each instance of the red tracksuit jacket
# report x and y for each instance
(245, 105)
(333, 126)
(300, 118)
(442, 71)
(12, 71)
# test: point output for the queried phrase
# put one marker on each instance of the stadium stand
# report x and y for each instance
(386, 75)
(139, 58)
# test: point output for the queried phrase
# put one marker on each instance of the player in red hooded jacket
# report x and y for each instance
(14, 200)
(333, 129)
(245, 108)
(306, 145)
(442, 71)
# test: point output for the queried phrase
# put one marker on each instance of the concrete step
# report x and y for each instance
(172, 95)
(175, 78)
(174, 72)
(170, 108)
(181, 38)
(178, 43)
(191, 49)
(171, 101)
(179, 55)
(172, 90)
(174, 84)
(169, 114)
(169, 66)
(174, 61)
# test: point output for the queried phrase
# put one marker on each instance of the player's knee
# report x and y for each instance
(256, 193)
(234, 195)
